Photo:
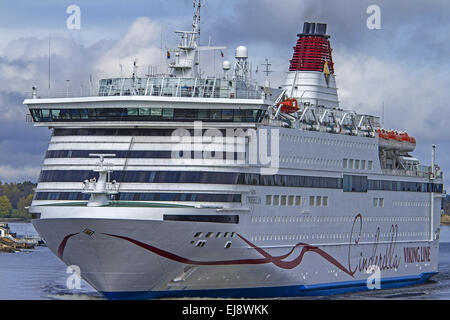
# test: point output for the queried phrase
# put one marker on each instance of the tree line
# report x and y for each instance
(14, 198)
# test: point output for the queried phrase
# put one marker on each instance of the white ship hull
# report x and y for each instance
(152, 258)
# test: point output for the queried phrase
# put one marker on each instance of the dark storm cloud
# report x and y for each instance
(23, 65)
(410, 28)
(21, 145)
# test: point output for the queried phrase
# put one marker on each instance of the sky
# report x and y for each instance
(404, 64)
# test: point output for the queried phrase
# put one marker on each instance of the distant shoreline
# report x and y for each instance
(7, 220)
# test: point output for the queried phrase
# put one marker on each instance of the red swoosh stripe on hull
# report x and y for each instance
(294, 263)
(63, 243)
(267, 257)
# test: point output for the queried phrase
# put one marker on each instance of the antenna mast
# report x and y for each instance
(267, 71)
(49, 55)
(187, 56)
(196, 22)
(186, 63)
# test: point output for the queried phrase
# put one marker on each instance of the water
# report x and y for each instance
(38, 275)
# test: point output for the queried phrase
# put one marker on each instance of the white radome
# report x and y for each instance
(241, 52)
(226, 65)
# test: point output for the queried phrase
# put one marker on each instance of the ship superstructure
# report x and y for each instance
(183, 185)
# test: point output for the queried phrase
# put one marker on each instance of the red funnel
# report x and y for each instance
(312, 50)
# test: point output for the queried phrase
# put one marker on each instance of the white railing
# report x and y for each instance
(409, 173)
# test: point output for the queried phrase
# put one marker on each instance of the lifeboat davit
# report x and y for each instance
(289, 106)
(393, 140)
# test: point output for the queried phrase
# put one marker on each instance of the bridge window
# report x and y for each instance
(146, 114)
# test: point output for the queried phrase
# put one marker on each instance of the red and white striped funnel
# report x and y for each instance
(313, 49)
(311, 73)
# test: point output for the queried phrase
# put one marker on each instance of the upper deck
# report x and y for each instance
(156, 99)
(180, 87)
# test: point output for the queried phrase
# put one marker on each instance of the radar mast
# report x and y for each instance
(186, 62)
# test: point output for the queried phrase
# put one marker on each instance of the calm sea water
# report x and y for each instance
(37, 274)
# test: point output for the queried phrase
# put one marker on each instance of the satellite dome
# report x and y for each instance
(241, 52)
(226, 65)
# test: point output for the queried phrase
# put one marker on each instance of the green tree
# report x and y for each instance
(5, 206)
(22, 204)
(16, 191)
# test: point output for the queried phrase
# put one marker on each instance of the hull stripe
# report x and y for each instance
(278, 261)
(63, 244)
(270, 292)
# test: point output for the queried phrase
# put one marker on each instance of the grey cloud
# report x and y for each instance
(22, 146)
(411, 29)
(25, 64)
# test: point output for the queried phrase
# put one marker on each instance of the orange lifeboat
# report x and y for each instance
(394, 136)
(382, 134)
(289, 106)
(393, 140)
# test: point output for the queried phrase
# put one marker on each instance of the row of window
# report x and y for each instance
(318, 201)
(289, 181)
(277, 200)
(142, 176)
(348, 184)
(129, 196)
(61, 196)
(357, 164)
(325, 141)
(404, 186)
(117, 132)
(398, 203)
(154, 154)
(334, 219)
(147, 114)
(290, 200)
(334, 236)
(362, 184)
(146, 154)
(311, 161)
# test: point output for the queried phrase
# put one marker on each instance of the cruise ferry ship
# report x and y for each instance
(181, 185)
